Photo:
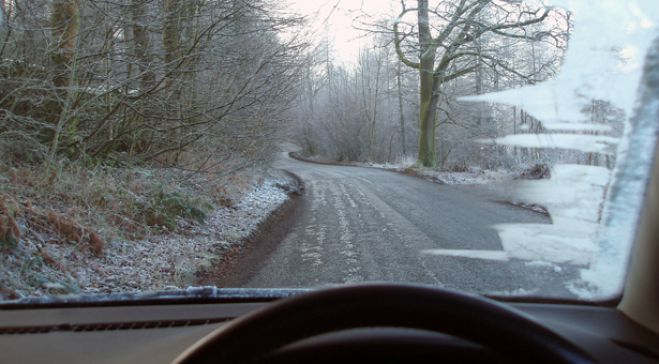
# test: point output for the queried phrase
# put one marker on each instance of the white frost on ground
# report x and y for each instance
(474, 176)
(394, 166)
(155, 263)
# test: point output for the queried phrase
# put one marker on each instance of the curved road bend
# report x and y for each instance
(364, 224)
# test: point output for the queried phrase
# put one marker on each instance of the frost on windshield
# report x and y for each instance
(594, 209)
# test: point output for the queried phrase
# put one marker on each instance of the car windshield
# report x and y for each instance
(498, 147)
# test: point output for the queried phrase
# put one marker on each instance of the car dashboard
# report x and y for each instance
(151, 332)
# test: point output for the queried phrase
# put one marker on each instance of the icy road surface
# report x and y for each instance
(364, 225)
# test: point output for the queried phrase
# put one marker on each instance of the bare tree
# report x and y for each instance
(443, 45)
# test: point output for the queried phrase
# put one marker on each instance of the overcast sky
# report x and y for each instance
(338, 20)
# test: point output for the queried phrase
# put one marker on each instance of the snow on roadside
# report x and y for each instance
(472, 176)
(155, 263)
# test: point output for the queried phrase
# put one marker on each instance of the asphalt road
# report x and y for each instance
(368, 225)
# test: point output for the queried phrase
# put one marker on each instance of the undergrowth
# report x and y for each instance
(75, 226)
(74, 204)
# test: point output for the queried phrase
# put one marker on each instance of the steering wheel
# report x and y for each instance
(500, 328)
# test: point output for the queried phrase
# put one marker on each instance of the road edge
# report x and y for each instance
(257, 246)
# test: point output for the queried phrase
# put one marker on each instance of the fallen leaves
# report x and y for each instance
(71, 231)
(63, 227)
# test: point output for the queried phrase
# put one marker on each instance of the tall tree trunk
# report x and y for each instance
(428, 99)
(142, 45)
(191, 32)
(172, 45)
(144, 62)
(374, 114)
(428, 105)
(173, 86)
(65, 22)
(401, 112)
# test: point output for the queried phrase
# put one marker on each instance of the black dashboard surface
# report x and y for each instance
(158, 333)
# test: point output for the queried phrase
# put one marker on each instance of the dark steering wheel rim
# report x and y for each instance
(498, 327)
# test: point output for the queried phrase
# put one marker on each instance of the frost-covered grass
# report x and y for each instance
(158, 227)
(124, 203)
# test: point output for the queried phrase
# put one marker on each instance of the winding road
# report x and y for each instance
(365, 224)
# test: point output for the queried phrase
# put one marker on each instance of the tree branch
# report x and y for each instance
(398, 39)
(460, 73)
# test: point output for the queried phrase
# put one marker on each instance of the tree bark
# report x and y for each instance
(428, 100)
(401, 111)
(65, 22)
(374, 115)
(172, 44)
(142, 45)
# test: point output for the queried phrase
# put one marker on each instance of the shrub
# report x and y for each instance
(163, 208)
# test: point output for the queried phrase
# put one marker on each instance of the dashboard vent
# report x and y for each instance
(139, 325)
